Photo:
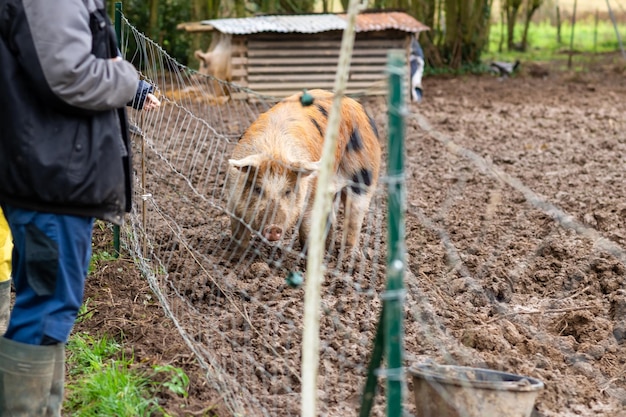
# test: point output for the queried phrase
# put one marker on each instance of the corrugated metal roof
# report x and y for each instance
(370, 22)
(316, 23)
(287, 23)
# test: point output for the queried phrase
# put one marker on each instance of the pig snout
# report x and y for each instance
(273, 232)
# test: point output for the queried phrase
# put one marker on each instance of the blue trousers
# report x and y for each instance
(51, 254)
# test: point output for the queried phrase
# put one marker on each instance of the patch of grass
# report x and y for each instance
(97, 258)
(464, 70)
(84, 313)
(178, 382)
(543, 44)
(103, 382)
(87, 354)
(100, 224)
(102, 385)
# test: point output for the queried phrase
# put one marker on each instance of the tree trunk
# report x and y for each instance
(502, 20)
(512, 8)
(467, 31)
(425, 12)
(154, 28)
(209, 9)
(531, 8)
(558, 25)
(286, 6)
(459, 29)
(240, 8)
(200, 10)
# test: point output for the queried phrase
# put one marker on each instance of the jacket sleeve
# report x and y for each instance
(62, 37)
(143, 90)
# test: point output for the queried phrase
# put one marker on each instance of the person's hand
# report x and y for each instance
(151, 102)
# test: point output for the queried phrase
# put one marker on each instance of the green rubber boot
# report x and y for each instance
(55, 403)
(5, 305)
(26, 374)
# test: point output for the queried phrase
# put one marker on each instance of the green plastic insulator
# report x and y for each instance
(306, 99)
(294, 279)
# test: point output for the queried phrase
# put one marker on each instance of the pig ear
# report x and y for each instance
(201, 56)
(251, 161)
(306, 168)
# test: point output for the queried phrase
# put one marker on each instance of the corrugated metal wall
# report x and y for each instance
(239, 65)
(282, 64)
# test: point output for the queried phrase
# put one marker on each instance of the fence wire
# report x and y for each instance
(479, 281)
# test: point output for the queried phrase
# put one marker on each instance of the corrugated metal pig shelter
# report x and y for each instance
(281, 55)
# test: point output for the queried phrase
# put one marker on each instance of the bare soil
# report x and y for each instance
(495, 279)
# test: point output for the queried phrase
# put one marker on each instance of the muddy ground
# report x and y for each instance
(516, 237)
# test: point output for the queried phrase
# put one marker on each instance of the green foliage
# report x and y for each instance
(178, 382)
(544, 46)
(113, 392)
(98, 257)
(100, 224)
(170, 14)
(83, 312)
(466, 33)
(283, 6)
(103, 382)
(465, 69)
(459, 30)
(86, 354)
(103, 386)
(180, 44)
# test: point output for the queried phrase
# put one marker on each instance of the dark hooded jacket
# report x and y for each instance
(64, 142)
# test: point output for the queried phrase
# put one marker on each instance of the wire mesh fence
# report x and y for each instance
(509, 268)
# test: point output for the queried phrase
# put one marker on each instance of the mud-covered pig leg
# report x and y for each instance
(357, 201)
(240, 234)
(304, 230)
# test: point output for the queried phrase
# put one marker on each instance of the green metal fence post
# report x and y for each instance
(118, 22)
(396, 251)
(118, 34)
(389, 332)
(369, 392)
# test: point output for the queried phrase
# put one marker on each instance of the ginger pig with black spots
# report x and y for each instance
(274, 166)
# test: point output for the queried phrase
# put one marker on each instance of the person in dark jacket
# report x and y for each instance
(65, 159)
(416, 61)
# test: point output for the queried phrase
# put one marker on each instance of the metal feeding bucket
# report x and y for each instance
(457, 391)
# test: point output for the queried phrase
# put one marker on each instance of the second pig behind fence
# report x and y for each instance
(274, 166)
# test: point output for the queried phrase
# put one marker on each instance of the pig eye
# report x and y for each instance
(257, 189)
(287, 193)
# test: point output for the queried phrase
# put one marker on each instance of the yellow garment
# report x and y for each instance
(6, 247)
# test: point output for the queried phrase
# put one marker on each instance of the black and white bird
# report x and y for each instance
(416, 59)
(504, 69)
